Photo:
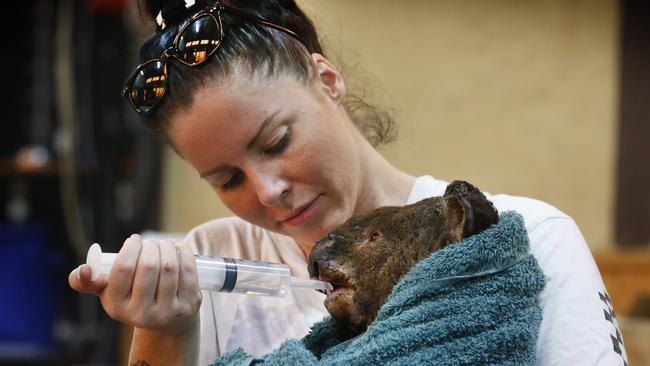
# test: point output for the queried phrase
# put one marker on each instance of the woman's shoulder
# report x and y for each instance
(234, 237)
(534, 211)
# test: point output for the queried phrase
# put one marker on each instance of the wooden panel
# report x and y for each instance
(626, 274)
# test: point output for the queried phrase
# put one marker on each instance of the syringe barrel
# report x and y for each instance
(243, 276)
(218, 273)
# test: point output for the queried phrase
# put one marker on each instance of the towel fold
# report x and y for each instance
(473, 302)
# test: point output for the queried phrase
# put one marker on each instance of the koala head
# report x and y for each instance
(367, 255)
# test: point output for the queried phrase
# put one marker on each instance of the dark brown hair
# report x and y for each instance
(254, 48)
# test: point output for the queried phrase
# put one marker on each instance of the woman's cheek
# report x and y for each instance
(239, 204)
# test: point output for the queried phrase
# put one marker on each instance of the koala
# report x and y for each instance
(367, 255)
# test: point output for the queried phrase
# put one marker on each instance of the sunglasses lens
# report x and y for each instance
(198, 40)
(148, 86)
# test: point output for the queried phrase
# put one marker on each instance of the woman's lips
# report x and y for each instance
(303, 213)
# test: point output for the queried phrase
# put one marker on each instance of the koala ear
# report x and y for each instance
(456, 212)
(478, 210)
(460, 212)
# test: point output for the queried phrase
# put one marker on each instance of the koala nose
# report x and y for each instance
(315, 268)
(318, 258)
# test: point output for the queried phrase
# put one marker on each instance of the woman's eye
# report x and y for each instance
(234, 181)
(281, 145)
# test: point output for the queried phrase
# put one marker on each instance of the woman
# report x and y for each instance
(247, 97)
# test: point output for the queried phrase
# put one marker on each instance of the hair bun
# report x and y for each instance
(289, 4)
(151, 8)
(172, 11)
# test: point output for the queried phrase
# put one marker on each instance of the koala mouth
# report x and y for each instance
(339, 281)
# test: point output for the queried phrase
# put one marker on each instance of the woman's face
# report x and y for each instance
(280, 154)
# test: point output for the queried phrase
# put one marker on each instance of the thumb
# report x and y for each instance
(80, 280)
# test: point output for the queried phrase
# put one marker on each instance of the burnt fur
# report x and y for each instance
(369, 254)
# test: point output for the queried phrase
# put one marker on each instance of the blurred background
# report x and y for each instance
(544, 99)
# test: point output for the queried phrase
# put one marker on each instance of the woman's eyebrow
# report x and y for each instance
(270, 118)
(267, 121)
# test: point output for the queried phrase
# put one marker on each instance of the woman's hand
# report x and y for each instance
(153, 285)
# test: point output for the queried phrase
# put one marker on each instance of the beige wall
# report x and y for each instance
(514, 96)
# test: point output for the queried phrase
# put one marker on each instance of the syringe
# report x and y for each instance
(226, 274)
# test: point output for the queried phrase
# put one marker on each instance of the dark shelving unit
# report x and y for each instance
(48, 211)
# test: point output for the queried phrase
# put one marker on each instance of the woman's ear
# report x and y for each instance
(330, 79)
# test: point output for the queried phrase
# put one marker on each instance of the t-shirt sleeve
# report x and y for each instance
(579, 326)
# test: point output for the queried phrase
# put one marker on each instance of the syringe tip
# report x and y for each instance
(297, 282)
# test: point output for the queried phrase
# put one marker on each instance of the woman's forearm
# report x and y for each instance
(154, 348)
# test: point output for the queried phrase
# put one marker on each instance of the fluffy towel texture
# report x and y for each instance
(470, 303)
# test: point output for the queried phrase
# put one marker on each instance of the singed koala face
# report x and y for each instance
(366, 256)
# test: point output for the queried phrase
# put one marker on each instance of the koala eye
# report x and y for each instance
(374, 236)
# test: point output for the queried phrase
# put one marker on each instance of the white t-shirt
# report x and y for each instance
(578, 325)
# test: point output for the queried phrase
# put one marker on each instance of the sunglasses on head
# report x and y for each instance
(194, 43)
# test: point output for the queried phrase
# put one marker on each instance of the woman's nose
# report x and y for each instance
(271, 189)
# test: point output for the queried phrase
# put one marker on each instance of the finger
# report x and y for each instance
(85, 276)
(80, 280)
(120, 279)
(188, 281)
(168, 280)
(146, 274)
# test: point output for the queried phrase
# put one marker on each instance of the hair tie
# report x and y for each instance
(171, 11)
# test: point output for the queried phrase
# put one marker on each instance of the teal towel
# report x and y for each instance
(470, 303)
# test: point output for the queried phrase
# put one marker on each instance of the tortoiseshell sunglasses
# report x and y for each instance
(195, 42)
